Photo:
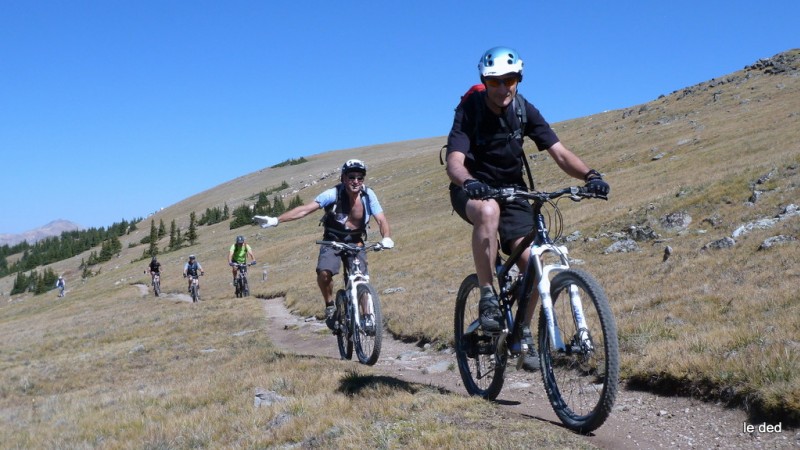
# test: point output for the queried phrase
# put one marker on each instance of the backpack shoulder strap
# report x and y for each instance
(521, 108)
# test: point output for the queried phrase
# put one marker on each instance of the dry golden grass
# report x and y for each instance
(108, 368)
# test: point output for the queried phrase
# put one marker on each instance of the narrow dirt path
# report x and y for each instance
(144, 291)
(640, 420)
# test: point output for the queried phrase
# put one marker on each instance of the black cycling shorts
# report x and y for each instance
(516, 218)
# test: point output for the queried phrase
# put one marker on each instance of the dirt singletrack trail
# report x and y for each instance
(145, 291)
(640, 420)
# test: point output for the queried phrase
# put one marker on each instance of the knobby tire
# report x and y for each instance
(481, 371)
(581, 384)
(368, 344)
(343, 331)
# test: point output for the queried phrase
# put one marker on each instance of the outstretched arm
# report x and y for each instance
(298, 212)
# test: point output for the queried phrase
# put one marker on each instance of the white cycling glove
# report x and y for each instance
(266, 221)
(387, 242)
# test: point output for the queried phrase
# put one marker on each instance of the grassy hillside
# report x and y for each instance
(717, 322)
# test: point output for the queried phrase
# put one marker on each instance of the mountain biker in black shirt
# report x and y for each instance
(484, 151)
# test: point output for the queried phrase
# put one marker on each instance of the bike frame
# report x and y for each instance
(353, 277)
(538, 274)
(241, 270)
(352, 274)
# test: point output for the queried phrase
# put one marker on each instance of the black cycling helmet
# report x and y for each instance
(240, 239)
(191, 257)
(153, 260)
(354, 165)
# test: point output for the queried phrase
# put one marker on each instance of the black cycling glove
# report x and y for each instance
(595, 184)
(476, 189)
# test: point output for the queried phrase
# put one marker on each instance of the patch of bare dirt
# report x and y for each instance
(640, 420)
(144, 291)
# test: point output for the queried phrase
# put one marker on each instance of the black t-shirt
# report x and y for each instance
(491, 155)
(155, 267)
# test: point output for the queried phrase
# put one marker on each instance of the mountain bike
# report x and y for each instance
(194, 288)
(241, 287)
(578, 346)
(358, 320)
(156, 282)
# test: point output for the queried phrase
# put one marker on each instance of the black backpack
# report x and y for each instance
(519, 104)
(330, 213)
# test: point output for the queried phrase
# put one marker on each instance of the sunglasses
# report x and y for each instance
(354, 177)
(496, 82)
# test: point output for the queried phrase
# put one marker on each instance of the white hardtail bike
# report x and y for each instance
(358, 320)
(577, 335)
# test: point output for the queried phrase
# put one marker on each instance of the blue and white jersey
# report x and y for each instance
(370, 201)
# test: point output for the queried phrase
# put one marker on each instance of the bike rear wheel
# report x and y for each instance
(342, 327)
(581, 381)
(480, 367)
(368, 341)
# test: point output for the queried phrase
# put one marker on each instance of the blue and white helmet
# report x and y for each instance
(354, 165)
(499, 61)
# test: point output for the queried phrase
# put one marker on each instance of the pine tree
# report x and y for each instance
(153, 251)
(191, 235)
(278, 207)
(162, 230)
(296, 201)
(20, 284)
(173, 243)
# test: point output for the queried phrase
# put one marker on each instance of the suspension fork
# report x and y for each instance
(543, 275)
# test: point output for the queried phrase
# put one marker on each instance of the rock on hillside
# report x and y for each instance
(54, 228)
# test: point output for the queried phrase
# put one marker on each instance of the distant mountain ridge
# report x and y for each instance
(54, 228)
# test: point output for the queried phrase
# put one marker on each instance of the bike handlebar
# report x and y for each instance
(352, 248)
(576, 194)
(251, 263)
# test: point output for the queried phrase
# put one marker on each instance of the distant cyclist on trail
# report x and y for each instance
(61, 284)
(238, 254)
(191, 269)
(484, 151)
(154, 268)
(348, 208)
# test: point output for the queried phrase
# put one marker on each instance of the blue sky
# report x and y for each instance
(110, 110)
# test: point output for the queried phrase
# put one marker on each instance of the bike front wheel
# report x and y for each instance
(342, 327)
(368, 336)
(157, 288)
(581, 379)
(195, 294)
(480, 366)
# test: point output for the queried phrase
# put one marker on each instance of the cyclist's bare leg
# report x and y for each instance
(485, 218)
(325, 283)
(234, 269)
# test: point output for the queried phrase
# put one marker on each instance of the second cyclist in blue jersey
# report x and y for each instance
(348, 208)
